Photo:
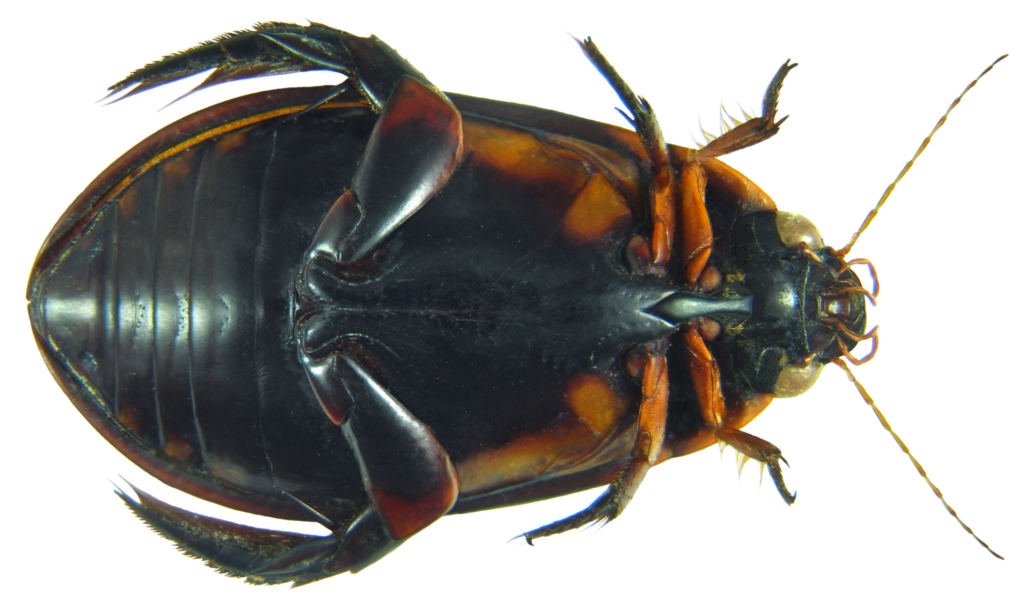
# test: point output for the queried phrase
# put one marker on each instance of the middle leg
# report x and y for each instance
(650, 436)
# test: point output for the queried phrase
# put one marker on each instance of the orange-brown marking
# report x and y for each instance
(233, 142)
(594, 402)
(128, 415)
(177, 448)
(622, 172)
(597, 209)
(525, 458)
(521, 154)
(129, 205)
(179, 169)
(594, 411)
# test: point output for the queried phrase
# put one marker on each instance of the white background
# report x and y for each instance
(873, 79)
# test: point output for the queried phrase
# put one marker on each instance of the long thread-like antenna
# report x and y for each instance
(841, 255)
(878, 413)
(842, 252)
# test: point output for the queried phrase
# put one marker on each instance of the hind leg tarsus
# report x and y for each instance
(265, 556)
(350, 550)
(281, 48)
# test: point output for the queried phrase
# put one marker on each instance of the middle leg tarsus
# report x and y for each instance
(264, 556)
(607, 507)
(646, 451)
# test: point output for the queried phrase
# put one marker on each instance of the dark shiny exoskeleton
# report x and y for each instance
(376, 304)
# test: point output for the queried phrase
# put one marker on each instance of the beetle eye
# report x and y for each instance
(795, 229)
(797, 378)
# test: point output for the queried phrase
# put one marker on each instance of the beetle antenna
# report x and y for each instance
(885, 424)
(842, 252)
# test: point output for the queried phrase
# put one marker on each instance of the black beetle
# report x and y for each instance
(360, 274)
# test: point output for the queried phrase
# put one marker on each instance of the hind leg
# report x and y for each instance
(372, 66)
(263, 556)
(408, 476)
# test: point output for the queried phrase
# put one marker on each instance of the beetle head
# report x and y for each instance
(808, 306)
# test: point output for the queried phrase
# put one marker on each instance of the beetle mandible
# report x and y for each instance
(375, 304)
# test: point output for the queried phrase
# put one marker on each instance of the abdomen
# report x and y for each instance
(171, 313)
(168, 314)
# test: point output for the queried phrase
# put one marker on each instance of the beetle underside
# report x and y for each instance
(371, 306)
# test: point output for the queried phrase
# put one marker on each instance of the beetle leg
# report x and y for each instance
(761, 451)
(646, 450)
(413, 151)
(351, 549)
(706, 380)
(281, 48)
(641, 117)
(260, 555)
(755, 130)
(698, 238)
(407, 474)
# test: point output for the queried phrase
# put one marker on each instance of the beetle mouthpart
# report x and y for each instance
(683, 306)
(872, 335)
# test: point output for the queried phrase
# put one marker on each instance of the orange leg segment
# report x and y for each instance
(697, 241)
(697, 234)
